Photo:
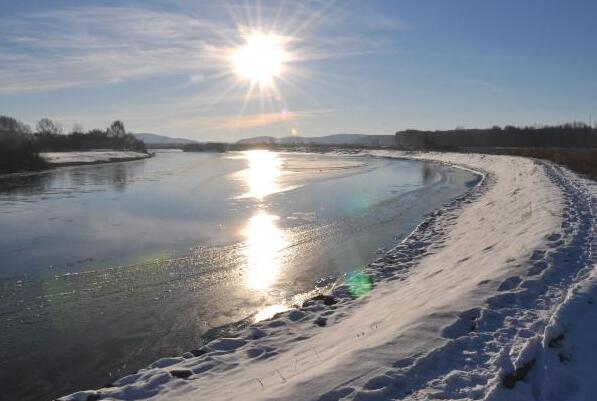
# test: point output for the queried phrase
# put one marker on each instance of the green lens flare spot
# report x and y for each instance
(359, 284)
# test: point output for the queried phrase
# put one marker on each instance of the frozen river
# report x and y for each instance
(106, 268)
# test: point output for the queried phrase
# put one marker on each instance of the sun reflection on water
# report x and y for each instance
(265, 242)
(262, 176)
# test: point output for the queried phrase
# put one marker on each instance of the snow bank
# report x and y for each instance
(566, 354)
(73, 158)
(465, 308)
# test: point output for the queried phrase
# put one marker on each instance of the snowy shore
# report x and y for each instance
(492, 297)
(56, 159)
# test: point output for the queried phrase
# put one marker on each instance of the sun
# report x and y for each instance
(261, 59)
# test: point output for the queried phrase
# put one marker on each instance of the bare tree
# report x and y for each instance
(9, 124)
(77, 129)
(48, 127)
(117, 130)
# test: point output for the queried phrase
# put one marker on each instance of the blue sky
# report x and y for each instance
(357, 66)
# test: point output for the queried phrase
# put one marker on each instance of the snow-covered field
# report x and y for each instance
(100, 156)
(493, 297)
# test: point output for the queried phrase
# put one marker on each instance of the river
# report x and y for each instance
(106, 268)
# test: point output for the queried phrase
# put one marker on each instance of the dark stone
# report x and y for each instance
(198, 352)
(509, 380)
(556, 342)
(326, 299)
(181, 373)
(321, 321)
(554, 237)
(278, 315)
(564, 358)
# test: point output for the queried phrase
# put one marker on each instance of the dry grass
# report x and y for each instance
(581, 160)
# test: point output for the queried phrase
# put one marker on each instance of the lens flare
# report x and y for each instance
(359, 285)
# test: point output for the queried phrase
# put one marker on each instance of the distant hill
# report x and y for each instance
(337, 139)
(258, 140)
(155, 139)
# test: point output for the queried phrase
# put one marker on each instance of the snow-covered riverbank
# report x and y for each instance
(490, 298)
(91, 157)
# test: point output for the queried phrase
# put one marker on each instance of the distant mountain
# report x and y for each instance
(155, 139)
(337, 139)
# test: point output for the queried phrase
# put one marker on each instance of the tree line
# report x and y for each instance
(573, 145)
(20, 145)
(570, 135)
